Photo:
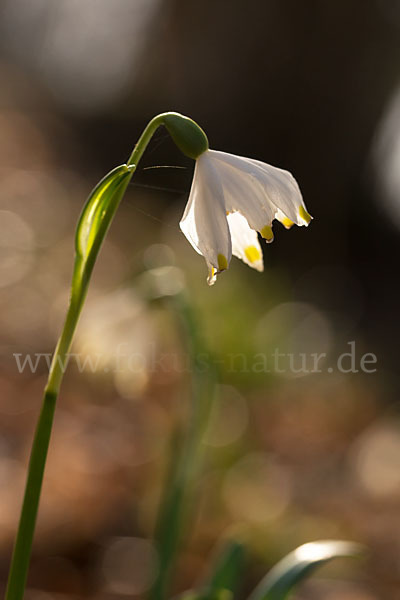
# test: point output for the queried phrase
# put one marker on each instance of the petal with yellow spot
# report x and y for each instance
(267, 233)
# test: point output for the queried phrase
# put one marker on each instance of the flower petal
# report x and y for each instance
(245, 244)
(286, 222)
(294, 195)
(244, 194)
(204, 221)
(279, 186)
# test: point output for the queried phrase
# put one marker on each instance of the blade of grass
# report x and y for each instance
(186, 456)
(299, 564)
(225, 573)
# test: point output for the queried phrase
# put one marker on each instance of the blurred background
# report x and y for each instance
(291, 455)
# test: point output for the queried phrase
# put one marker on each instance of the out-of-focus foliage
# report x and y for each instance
(291, 570)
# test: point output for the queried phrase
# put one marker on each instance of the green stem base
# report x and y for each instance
(23, 543)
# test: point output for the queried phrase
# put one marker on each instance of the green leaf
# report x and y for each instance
(296, 566)
(92, 227)
(225, 573)
(99, 210)
(224, 576)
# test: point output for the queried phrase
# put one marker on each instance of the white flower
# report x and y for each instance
(233, 197)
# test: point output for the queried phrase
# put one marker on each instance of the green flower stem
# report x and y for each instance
(145, 138)
(22, 549)
(81, 278)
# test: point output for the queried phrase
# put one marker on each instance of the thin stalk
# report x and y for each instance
(22, 549)
(186, 455)
(23, 543)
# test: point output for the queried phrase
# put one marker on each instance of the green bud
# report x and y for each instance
(187, 135)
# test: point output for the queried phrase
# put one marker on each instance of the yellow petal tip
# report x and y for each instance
(212, 276)
(252, 254)
(222, 262)
(304, 214)
(267, 233)
(286, 222)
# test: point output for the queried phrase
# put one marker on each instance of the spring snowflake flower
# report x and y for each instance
(231, 199)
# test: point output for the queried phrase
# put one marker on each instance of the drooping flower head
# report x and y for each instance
(231, 199)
